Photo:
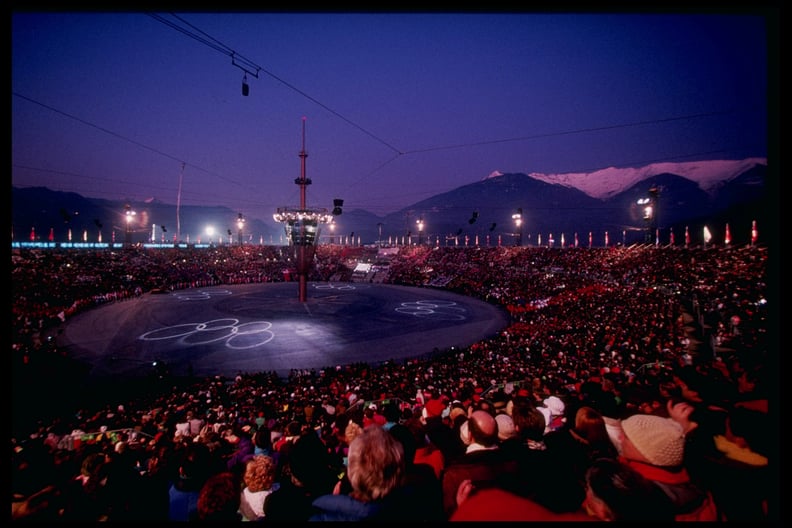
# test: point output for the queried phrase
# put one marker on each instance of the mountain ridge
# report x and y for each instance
(605, 183)
(481, 212)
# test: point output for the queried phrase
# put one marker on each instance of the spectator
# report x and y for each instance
(193, 470)
(506, 430)
(262, 441)
(373, 416)
(545, 473)
(293, 430)
(483, 461)
(609, 337)
(86, 496)
(508, 437)
(129, 499)
(654, 446)
(584, 442)
(742, 486)
(41, 506)
(376, 472)
(553, 409)
(218, 500)
(438, 432)
(195, 423)
(425, 451)
(392, 414)
(494, 504)
(616, 492)
(240, 440)
(352, 430)
(259, 482)
(724, 453)
(310, 474)
(422, 484)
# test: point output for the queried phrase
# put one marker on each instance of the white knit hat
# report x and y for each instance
(660, 440)
(555, 404)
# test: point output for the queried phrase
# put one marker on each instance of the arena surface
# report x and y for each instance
(227, 330)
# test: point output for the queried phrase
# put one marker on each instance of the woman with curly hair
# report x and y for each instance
(258, 479)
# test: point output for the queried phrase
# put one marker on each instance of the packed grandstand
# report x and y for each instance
(622, 330)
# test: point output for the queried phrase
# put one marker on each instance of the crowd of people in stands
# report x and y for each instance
(632, 383)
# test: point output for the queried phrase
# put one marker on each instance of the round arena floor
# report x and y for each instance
(227, 330)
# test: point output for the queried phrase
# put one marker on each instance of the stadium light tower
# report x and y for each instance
(517, 217)
(129, 215)
(332, 227)
(649, 211)
(240, 225)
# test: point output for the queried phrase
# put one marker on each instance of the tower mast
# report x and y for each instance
(178, 205)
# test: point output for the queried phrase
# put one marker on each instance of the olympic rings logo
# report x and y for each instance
(440, 310)
(236, 336)
(331, 286)
(200, 295)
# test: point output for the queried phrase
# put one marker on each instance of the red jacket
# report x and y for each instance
(691, 502)
(495, 504)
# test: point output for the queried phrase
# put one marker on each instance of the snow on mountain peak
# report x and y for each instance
(604, 183)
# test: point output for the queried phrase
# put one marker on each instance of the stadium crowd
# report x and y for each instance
(632, 383)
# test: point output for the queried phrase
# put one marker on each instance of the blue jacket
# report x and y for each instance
(405, 503)
(343, 508)
(183, 505)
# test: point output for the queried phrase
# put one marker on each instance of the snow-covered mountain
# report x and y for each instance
(606, 183)
(691, 195)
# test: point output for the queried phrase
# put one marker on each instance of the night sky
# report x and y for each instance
(397, 107)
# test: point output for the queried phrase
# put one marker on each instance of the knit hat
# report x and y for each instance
(555, 405)
(547, 416)
(660, 440)
(506, 428)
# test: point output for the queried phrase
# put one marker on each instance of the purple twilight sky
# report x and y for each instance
(398, 107)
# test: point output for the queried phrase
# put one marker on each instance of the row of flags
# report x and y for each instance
(707, 235)
(727, 239)
(672, 241)
(51, 236)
